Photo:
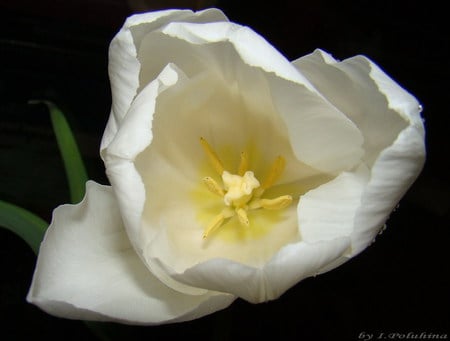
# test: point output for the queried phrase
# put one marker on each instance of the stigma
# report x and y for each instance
(241, 191)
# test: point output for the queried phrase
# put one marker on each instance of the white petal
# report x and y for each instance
(328, 211)
(350, 85)
(389, 118)
(132, 137)
(87, 269)
(124, 67)
(321, 135)
(393, 172)
(397, 166)
(289, 266)
(296, 262)
(253, 49)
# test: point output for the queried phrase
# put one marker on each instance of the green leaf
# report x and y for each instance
(25, 224)
(73, 163)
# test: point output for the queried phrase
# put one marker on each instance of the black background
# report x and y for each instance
(57, 50)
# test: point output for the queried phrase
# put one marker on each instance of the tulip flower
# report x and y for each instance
(234, 173)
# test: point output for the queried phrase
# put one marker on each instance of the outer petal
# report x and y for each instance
(393, 172)
(134, 135)
(290, 265)
(124, 66)
(250, 46)
(350, 87)
(389, 118)
(397, 166)
(87, 269)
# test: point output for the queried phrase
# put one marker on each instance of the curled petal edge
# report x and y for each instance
(124, 66)
(88, 270)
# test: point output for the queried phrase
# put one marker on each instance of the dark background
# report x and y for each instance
(57, 50)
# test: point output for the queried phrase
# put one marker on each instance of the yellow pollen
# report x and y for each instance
(241, 192)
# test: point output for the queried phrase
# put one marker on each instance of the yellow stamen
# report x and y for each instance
(242, 216)
(275, 171)
(243, 165)
(217, 221)
(272, 204)
(213, 158)
(213, 186)
(241, 192)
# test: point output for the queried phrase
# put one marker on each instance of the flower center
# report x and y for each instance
(241, 192)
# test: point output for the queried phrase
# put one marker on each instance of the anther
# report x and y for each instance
(243, 164)
(272, 176)
(213, 186)
(242, 216)
(272, 204)
(275, 172)
(213, 158)
(217, 221)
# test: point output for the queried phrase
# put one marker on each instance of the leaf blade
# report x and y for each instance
(23, 223)
(70, 153)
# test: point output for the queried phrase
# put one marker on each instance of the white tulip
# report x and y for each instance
(234, 173)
